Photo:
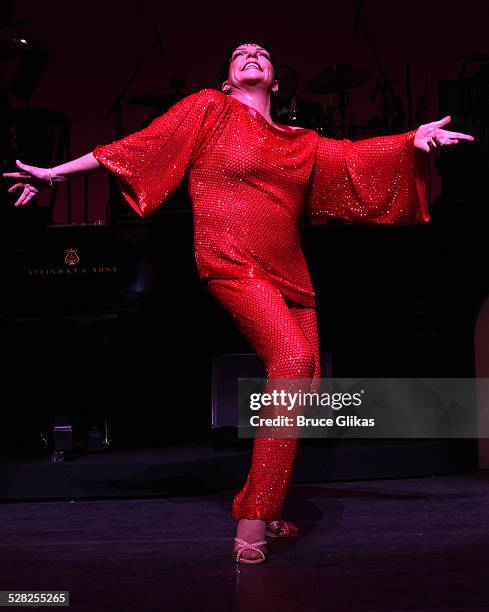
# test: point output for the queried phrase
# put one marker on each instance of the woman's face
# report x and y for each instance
(250, 66)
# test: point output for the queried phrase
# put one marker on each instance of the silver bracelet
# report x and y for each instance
(50, 178)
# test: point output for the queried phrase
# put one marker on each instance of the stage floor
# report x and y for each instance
(411, 544)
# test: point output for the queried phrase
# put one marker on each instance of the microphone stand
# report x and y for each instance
(116, 105)
(116, 108)
(383, 83)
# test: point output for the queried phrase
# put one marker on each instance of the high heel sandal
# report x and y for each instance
(241, 546)
(281, 529)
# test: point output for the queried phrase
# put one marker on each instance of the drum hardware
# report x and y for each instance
(160, 102)
(392, 111)
(152, 42)
(339, 79)
(465, 61)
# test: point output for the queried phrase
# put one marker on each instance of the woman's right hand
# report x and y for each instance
(30, 181)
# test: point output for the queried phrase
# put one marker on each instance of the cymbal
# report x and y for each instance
(146, 99)
(336, 78)
(12, 49)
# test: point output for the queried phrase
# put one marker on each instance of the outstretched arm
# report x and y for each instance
(32, 179)
(432, 135)
(378, 180)
(149, 164)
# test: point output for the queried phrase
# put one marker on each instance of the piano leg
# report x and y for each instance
(61, 334)
(63, 341)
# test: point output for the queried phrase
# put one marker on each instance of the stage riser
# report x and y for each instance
(200, 470)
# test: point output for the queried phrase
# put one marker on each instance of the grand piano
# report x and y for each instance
(64, 280)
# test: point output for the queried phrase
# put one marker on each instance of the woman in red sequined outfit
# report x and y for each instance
(251, 182)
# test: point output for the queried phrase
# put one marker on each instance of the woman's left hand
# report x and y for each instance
(431, 136)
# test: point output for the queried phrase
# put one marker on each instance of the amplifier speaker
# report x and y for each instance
(226, 370)
(464, 169)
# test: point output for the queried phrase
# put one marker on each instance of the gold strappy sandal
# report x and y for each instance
(241, 546)
(281, 529)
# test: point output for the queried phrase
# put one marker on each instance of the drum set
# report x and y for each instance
(336, 82)
(38, 136)
(333, 118)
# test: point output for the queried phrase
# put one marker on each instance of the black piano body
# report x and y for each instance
(62, 279)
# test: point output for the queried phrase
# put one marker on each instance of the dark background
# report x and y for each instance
(94, 46)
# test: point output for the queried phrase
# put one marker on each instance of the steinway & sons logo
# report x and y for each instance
(71, 257)
(73, 266)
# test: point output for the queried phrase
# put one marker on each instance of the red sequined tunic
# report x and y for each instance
(252, 183)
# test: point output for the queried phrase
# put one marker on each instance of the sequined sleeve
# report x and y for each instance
(378, 180)
(150, 164)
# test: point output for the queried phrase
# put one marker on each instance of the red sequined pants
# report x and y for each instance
(284, 335)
